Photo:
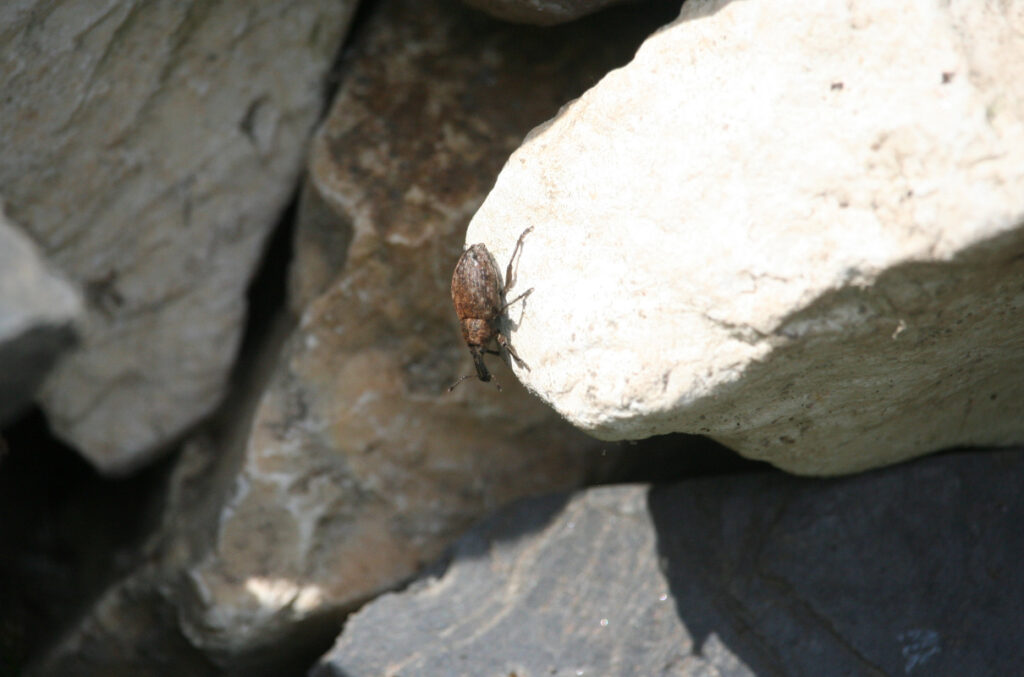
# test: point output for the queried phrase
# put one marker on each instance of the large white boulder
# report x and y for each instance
(795, 227)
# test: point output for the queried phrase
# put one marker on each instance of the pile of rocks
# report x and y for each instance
(796, 230)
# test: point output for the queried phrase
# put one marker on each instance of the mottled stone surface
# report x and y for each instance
(907, 571)
(798, 229)
(148, 148)
(38, 312)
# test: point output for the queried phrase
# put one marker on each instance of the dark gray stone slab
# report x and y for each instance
(912, 570)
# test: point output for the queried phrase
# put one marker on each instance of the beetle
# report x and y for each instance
(479, 296)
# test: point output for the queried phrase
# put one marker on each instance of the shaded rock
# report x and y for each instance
(66, 533)
(796, 230)
(910, 570)
(540, 12)
(38, 311)
(148, 148)
(351, 467)
(547, 587)
(132, 627)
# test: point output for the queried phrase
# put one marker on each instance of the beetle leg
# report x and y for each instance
(521, 296)
(508, 270)
(512, 351)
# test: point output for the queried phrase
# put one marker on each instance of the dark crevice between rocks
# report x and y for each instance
(667, 459)
(266, 298)
(66, 533)
(343, 57)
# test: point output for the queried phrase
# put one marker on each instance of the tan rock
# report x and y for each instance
(149, 148)
(360, 467)
(797, 229)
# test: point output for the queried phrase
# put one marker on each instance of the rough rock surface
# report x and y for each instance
(38, 311)
(356, 467)
(148, 148)
(906, 571)
(540, 12)
(797, 229)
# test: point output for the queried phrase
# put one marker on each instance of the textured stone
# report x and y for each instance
(540, 12)
(148, 148)
(906, 571)
(797, 229)
(38, 311)
(354, 467)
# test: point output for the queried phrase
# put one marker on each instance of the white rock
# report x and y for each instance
(149, 148)
(38, 311)
(783, 224)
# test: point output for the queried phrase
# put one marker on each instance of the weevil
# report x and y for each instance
(479, 298)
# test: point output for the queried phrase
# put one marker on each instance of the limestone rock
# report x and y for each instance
(38, 311)
(910, 570)
(797, 229)
(355, 467)
(148, 148)
(540, 12)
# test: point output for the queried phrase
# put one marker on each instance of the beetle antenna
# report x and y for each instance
(463, 378)
(509, 280)
(452, 386)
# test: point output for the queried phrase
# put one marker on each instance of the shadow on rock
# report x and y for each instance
(884, 573)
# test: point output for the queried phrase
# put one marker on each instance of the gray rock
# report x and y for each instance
(38, 312)
(791, 228)
(148, 148)
(908, 571)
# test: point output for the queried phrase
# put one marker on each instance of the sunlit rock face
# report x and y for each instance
(797, 229)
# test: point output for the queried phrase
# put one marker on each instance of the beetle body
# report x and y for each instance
(476, 292)
(478, 295)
